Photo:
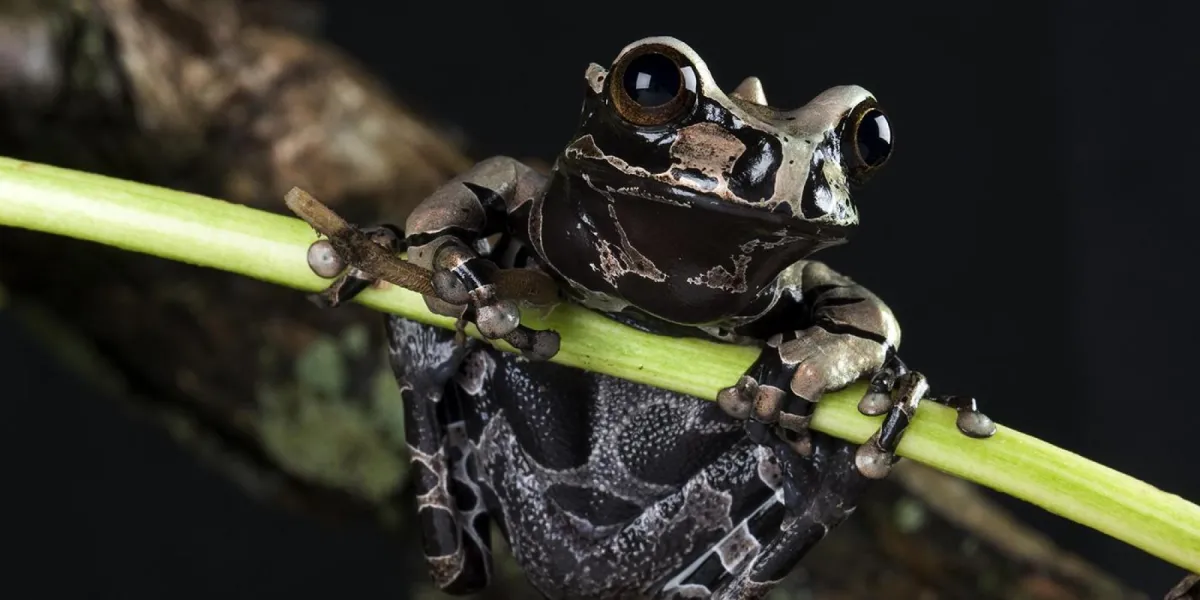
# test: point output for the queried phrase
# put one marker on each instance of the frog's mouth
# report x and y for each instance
(701, 192)
(777, 218)
(702, 261)
(673, 253)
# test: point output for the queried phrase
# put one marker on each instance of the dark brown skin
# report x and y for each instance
(180, 339)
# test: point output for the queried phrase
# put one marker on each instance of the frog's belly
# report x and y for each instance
(613, 485)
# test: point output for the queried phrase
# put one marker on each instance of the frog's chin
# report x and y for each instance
(711, 269)
(630, 186)
(777, 218)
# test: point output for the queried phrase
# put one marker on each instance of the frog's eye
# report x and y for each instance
(866, 139)
(653, 85)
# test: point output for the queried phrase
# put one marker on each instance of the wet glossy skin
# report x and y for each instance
(691, 219)
(687, 211)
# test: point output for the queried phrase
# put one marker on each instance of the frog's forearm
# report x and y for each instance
(270, 247)
(474, 204)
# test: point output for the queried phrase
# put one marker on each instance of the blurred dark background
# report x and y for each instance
(1034, 233)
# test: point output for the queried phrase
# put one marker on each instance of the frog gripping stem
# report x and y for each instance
(683, 210)
(461, 283)
(848, 334)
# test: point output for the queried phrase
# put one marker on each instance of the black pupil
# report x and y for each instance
(652, 80)
(874, 138)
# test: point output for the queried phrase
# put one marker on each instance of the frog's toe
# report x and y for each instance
(878, 399)
(769, 388)
(970, 421)
(875, 457)
(875, 403)
(797, 434)
(765, 399)
(450, 288)
(809, 381)
(536, 344)
(325, 262)
(872, 461)
(976, 424)
(498, 319)
(738, 400)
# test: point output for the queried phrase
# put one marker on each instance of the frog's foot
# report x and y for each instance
(471, 288)
(820, 492)
(348, 281)
(878, 400)
(897, 392)
(778, 393)
(763, 399)
(489, 296)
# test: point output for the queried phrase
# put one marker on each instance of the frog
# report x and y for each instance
(681, 210)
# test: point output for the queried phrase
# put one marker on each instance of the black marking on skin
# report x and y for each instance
(593, 550)
(808, 199)
(613, 489)
(846, 329)
(827, 301)
(822, 198)
(424, 237)
(606, 488)
(753, 176)
(819, 290)
(648, 148)
(494, 208)
(471, 272)
(597, 507)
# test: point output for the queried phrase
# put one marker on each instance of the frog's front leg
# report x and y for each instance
(450, 507)
(444, 233)
(448, 234)
(848, 334)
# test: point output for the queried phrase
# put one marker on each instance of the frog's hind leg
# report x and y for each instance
(454, 524)
(812, 495)
(832, 485)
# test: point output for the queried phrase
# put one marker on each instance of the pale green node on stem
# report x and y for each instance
(212, 233)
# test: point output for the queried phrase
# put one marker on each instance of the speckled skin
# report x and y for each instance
(693, 217)
(604, 488)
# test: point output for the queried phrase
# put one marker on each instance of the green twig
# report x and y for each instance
(270, 247)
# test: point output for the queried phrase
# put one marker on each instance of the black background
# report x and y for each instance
(1033, 232)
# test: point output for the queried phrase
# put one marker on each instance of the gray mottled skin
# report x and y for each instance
(693, 216)
(606, 488)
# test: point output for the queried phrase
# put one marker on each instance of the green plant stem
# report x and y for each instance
(212, 233)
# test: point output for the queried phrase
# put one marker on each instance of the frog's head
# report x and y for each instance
(718, 191)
